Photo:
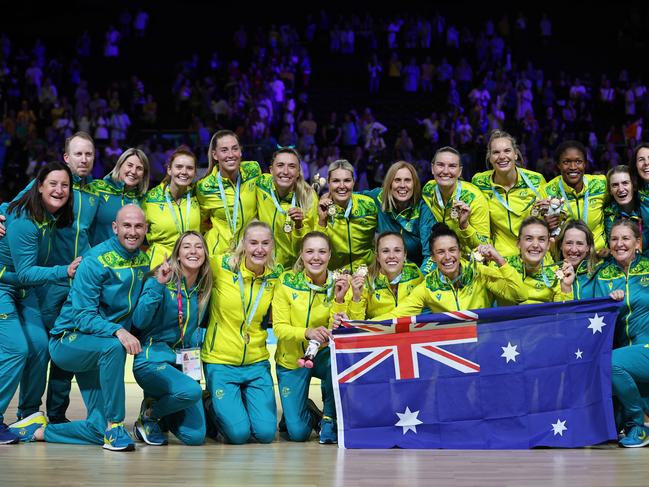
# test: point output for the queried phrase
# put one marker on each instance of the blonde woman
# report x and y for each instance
(126, 184)
(348, 219)
(168, 314)
(399, 203)
(234, 353)
(390, 278)
(301, 312)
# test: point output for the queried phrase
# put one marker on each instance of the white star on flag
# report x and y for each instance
(408, 420)
(596, 323)
(559, 427)
(578, 353)
(509, 352)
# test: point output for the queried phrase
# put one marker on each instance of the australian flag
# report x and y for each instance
(499, 378)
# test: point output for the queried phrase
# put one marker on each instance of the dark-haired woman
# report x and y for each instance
(456, 284)
(639, 169)
(625, 203)
(24, 253)
(584, 194)
(287, 203)
(544, 283)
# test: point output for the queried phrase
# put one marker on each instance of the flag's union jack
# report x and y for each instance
(404, 339)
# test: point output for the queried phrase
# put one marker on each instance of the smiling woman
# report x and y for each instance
(544, 283)
(125, 184)
(31, 223)
(287, 203)
(458, 204)
(625, 202)
(301, 308)
(172, 207)
(456, 284)
(511, 190)
(625, 277)
(234, 352)
(348, 219)
(400, 206)
(584, 195)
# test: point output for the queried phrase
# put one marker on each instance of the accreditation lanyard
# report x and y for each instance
(249, 315)
(232, 220)
(180, 226)
(276, 202)
(348, 211)
(438, 194)
(565, 198)
(527, 182)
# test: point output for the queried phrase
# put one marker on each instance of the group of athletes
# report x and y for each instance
(188, 276)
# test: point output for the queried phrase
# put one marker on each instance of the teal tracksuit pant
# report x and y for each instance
(630, 373)
(23, 350)
(98, 363)
(177, 399)
(294, 392)
(51, 298)
(243, 399)
(13, 347)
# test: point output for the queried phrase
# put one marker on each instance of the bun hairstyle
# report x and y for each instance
(441, 230)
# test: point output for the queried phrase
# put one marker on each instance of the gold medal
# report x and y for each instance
(361, 271)
(246, 338)
(288, 224)
(331, 210)
(477, 256)
(455, 215)
(535, 211)
(559, 274)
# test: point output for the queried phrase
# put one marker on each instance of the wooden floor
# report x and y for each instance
(291, 464)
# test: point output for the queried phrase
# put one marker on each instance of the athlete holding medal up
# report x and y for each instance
(287, 203)
(458, 204)
(585, 195)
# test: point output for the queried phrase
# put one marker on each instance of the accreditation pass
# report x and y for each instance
(190, 359)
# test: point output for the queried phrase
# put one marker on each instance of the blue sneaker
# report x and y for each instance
(6, 436)
(116, 438)
(636, 437)
(148, 430)
(328, 431)
(25, 428)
